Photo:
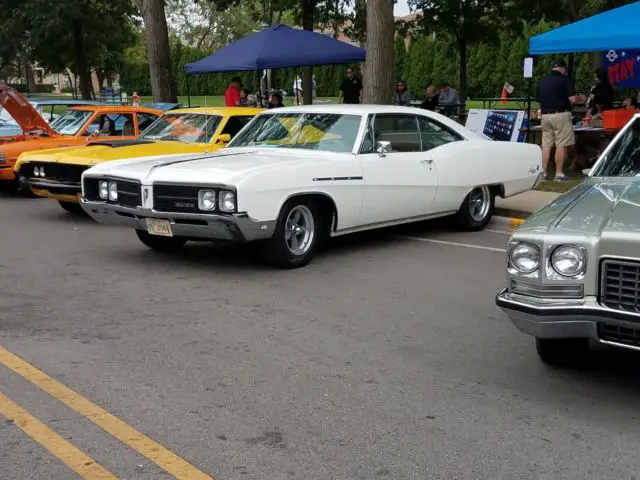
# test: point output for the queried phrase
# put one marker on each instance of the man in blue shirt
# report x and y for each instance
(556, 95)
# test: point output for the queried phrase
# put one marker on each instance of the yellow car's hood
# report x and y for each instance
(99, 152)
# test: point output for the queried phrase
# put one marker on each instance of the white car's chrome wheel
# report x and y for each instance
(299, 230)
(480, 203)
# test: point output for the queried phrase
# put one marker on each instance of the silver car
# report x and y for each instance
(573, 269)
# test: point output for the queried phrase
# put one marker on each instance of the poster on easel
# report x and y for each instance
(500, 125)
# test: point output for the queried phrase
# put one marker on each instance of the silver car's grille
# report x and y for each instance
(620, 285)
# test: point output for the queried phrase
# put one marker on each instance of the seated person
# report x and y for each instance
(601, 95)
(630, 102)
(431, 100)
(252, 101)
(275, 100)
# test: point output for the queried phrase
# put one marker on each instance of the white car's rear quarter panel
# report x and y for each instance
(462, 166)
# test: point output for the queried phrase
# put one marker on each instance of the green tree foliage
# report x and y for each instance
(79, 34)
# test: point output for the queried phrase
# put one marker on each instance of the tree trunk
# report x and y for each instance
(81, 61)
(308, 9)
(378, 71)
(30, 79)
(155, 24)
(109, 79)
(462, 88)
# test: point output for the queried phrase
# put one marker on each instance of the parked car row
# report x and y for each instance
(288, 179)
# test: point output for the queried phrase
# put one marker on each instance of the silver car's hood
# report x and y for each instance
(596, 206)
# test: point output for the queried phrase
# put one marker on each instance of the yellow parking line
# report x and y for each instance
(67, 453)
(165, 459)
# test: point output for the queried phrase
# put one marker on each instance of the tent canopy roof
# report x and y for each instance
(614, 29)
(278, 46)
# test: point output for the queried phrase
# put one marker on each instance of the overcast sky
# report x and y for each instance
(400, 9)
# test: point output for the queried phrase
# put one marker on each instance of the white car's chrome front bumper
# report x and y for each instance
(236, 227)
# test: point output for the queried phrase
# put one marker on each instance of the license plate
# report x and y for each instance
(159, 227)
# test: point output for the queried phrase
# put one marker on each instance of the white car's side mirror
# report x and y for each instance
(586, 172)
(383, 148)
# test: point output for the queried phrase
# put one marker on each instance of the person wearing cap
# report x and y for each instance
(556, 95)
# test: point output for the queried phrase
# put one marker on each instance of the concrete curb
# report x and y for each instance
(506, 223)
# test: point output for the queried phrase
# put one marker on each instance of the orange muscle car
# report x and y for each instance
(75, 126)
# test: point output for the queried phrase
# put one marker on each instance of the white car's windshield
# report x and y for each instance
(70, 121)
(623, 159)
(328, 132)
(183, 127)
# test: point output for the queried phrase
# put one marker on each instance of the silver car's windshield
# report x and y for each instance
(70, 121)
(623, 158)
(329, 132)
(183, 127)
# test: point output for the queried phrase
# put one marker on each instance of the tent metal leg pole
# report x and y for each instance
(186, 77)
(570, 67)
(530, 82)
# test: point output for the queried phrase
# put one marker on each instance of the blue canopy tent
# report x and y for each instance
(614, 29)
(611, 30)
(278, 46)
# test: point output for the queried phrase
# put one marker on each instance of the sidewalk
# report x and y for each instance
(526, 202)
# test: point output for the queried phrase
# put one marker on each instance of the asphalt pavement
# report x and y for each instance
(385, 358)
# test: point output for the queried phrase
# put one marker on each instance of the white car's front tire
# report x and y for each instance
(299, 231)
(162, 244)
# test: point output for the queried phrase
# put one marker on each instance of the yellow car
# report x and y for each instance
(56, 173)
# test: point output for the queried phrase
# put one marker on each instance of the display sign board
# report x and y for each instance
(623, 67)
(499, 124)
(528, 67)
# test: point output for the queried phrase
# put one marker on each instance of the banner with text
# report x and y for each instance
(623, 67)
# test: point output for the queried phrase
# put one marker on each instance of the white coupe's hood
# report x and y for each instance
(228, 166)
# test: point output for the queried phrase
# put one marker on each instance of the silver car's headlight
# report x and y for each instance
(525, 258)
(207, 200)
(227, 201)
(113, 191)
(568, 260)
(104, 189)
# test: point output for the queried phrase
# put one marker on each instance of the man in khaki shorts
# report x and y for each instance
(556, 96)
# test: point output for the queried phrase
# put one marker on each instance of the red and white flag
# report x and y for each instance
(506, 89)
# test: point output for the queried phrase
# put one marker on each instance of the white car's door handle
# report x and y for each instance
(427, 162)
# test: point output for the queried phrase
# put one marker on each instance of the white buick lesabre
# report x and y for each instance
(297, 175)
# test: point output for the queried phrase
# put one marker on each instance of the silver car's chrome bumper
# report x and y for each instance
(237, 227)
(563, 318)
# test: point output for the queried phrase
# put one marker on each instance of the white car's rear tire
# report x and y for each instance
(476, 209)
(161, 244)
(298, 233)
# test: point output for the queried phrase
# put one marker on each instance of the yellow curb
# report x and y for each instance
(514, 223)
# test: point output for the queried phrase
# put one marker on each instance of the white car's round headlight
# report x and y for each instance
(525, 258)
(113, 191)
(103, 188)
(207, 200)
(568, 260)
(227, 201)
